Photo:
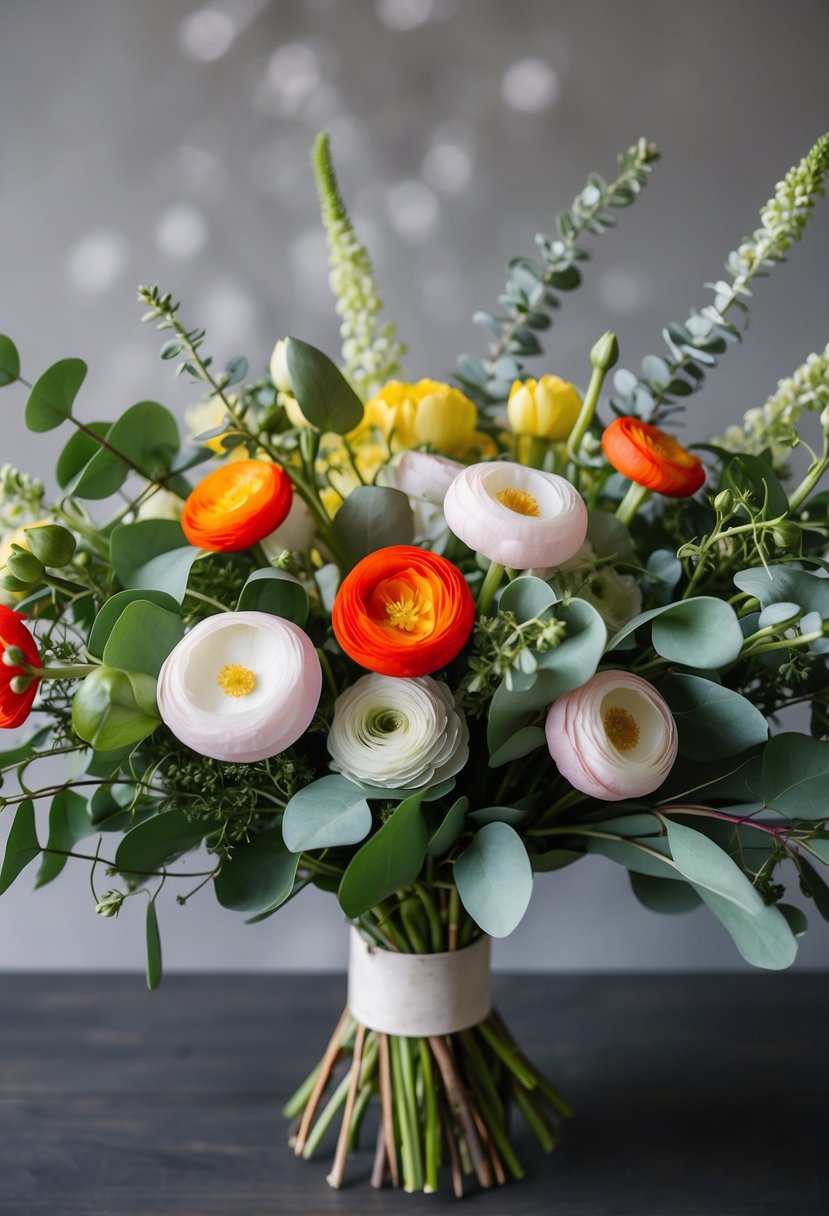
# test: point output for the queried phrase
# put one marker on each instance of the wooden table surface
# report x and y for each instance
(695, 1096)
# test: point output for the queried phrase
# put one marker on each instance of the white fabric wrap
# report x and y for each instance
(417, 995)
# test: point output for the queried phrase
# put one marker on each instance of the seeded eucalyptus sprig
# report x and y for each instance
(707, 334)
(530, 292)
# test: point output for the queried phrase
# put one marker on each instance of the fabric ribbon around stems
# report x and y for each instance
(418, 995)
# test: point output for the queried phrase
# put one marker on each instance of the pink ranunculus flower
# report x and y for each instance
(612, 738)
(423, 475)
(516, 516)
(241, 686)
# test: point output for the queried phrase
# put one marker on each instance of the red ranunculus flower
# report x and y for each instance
(651, 458)
(15, 707)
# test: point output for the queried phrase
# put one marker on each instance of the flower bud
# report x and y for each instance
(24, 566)
(13, 656)
(21, 684)
(279, 367)
(110, 903)
(786, 534)
(605, 353)
(52, 544)
(546, 409)
(724, 502)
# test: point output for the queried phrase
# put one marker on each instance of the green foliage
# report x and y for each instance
(700, 632)
(69, 822)
(530, 294)
(51, 544)
(795, 776)
(22, 845)
(153, 554)
(494, 879)
(277, 592)
(697, 344)
(142, 637)
(328, 813)
(145, 439)
(371, 353)
(389, 861)
(257, 877)
(9, 361)
(323, 394)
(153, 947)
(373, 517)
(712, 721)
(110, 612)
(112, 709)
(155, 843)
(663, 894)
(449, 828)
(51, 400)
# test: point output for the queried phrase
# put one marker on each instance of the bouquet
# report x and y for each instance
(415, 643)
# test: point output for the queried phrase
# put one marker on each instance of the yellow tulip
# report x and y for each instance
(544, 409)
(426, 414)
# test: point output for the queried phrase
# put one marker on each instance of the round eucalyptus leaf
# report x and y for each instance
(495, 879)
(387, 862)
(9, 361)
(53, 395)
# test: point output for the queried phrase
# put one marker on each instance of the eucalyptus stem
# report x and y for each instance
(491, 583)
(634, 498)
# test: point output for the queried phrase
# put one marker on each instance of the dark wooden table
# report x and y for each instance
(695, 1095)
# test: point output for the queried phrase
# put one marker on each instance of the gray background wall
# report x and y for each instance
(168, 142)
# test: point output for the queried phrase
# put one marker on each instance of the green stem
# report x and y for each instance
(534, 1119)
(435, 926)
(588, 409)
(327, 671)
(537, 454)
(631, 503)
(207, 599)
(431, 1133)
(508, 1056)
(813, 476)
(491, 583)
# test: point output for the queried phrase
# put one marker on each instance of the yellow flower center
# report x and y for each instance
(621, 728)
(519, 501)
(236, 680)
(405, 613)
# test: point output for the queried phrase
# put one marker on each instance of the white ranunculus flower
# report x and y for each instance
(296, 532)
(240, 686)
(398, 733)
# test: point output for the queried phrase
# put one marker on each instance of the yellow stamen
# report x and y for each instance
(404, 613)
(236, 680)
(621, 728)
(519, 501)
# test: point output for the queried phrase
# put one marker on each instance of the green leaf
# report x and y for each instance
(113, 607)
(524, 741)
(712, 721)
(554, 859)
(512, 815)
(449, 829)
(495, 879)
(794, 778)
(751, 474)
(258, 876)
(326, 814)
(51, 544)
(153, 554)
(112, 708)
(276, 592)
(22, 845)
(51, 400)
(69, 822)
(814, 885)
(663, 894)
(644, 856)
(78, 451)
(324, 395)
(785, 584)
(147, 438)
(387, 862)
(701, 632)
(763, 939)
(9, 361)
(795, 919)
(142, 637)
(371, 518)
(608, 536)
(153, 844)
(528, 597)
(710, 868)
(153, 947)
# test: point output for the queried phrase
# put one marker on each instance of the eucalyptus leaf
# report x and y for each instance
(528, 597)
(389, 861)
(763, 939)
(709, 868)
(701, 632)
(144, 437)
(794, 778)
(258, 876)
(814, 885)
(495, 879)
(712, 721)
(79, 450)
(663, 894)
(69, 822)
(142, 637)
(9, 361)
(53, 395)
(449, 828)
(22, 845)
(371, 518)
(276, 592)
(112, 708)
(324, 395)
(113, 607)
(326, 814)
(498, 814)
(153, 947)
(152, 845)
(554, 859)
(785, 584)
(525, 740)
(153, 554)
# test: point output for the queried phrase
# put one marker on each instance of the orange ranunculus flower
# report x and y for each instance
(237, 506)
(15, 707)
(403, 611)
(651, 458)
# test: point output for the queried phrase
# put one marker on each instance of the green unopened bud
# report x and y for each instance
(605, 353)
(824, 419)
(13, 656)
(51, 543)
(724, 502)
(110, 903)
(25, 566)
(20, 684)
(786, 534)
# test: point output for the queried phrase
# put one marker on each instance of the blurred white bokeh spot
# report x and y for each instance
(293, 74)
(448, 167)
(404, 15)
(623, 290)
(440, 279)
(414, 210)
(207, 33)
(308, 255)
(181, 231)
(228, 313)
(530, 85)
(95, 261)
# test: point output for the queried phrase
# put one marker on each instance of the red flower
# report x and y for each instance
(237, 506)
(403, 611)
(651, 458)
(15, 707)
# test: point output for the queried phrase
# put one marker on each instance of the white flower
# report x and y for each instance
(279, 367)
(616, 597)
(162, 504)
(398, 733)
(516, 516)
(613, 737)
(424, 476)
(240, 686)
(296, 532)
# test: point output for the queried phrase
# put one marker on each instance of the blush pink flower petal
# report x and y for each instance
(240, 686)
(612, 738)
(516, 516)
(422, 475)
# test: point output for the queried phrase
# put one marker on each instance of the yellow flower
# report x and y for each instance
(545, 408)
(206, 416)
(424, 414)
